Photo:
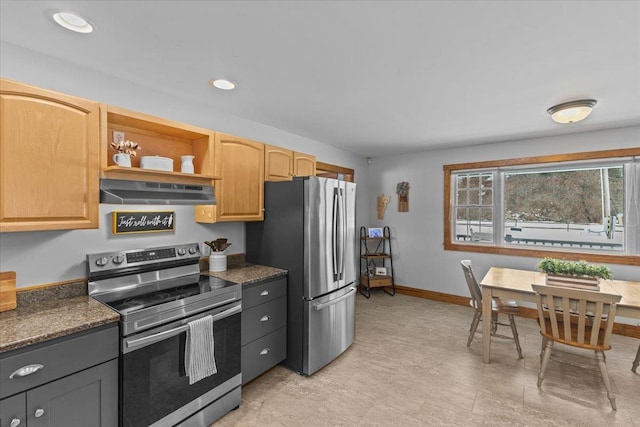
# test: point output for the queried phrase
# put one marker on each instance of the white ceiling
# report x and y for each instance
(372, 77)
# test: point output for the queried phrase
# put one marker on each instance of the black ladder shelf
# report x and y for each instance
(375, 253)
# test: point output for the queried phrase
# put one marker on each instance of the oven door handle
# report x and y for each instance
(142, 342)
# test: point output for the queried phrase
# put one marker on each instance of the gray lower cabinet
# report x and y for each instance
(49, 395)
(264, 326)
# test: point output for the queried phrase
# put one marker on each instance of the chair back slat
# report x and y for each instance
(577, 317)
(566, 315)
(582, 320)
(597, 321)
(472, 283)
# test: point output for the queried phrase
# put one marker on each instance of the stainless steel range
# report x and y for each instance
(159, 293)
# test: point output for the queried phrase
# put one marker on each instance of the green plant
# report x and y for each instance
(573, 268)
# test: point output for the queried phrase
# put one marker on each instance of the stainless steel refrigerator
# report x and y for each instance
(309, 230)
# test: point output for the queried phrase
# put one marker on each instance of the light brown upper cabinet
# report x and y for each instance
(49, 159)
(157, 137)
(281, 164)
(304, 164)
(240, 192)
(278, 163)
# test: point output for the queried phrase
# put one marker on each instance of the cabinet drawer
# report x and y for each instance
(263, 319)
(262, 292)
(263, 354)
(58, 359)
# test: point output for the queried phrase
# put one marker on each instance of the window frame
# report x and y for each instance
(495, 247)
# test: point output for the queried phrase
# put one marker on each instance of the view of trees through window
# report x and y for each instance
(584, 196)
(582, 207)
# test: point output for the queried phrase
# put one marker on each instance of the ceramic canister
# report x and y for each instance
(217, 261)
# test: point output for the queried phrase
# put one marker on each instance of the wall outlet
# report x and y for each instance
(205, 250)
(118, 136)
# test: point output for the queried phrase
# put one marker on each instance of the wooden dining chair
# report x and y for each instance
(579, 318)
(636, 362)
(498, 306)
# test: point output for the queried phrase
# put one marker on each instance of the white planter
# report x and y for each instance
(582, 282)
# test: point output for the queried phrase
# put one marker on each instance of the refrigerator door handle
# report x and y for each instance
(324, 305)
(343, 232)
(334, 235)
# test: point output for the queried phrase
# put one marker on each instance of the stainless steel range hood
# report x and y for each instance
(125, 192)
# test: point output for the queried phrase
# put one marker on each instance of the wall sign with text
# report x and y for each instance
(143, 222)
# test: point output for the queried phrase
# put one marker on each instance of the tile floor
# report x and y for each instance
(409, 366)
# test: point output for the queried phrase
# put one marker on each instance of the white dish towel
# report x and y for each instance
(199, 357)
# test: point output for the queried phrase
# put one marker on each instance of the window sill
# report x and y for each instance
(622, 259)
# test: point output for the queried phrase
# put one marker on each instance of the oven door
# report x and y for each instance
(153, 383)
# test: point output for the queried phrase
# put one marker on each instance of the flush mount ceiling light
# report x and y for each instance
(571, 112)
(222, 84)
(72, 22)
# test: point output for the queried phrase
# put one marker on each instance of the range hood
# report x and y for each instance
(125, 192)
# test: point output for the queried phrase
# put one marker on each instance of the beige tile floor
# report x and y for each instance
(409, 366)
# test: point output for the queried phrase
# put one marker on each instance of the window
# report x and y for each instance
(581, 205)
(474, 206)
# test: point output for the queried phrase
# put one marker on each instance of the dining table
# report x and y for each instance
(513, 284)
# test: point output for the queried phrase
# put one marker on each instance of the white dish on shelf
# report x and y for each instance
(156, 163)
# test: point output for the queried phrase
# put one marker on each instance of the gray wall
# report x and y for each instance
(52, 256)
(419, 258)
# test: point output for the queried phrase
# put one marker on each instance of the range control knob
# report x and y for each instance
(101, 262)
(118, 259)
(193, 250)
(182, 251)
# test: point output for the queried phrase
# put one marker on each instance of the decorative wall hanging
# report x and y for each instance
(383, 201)
(125, 222)
(403, 196)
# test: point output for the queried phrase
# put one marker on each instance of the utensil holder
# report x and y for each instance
(217, 262)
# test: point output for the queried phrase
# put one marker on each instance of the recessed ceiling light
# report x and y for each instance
(222, 84)
(72, 22)
(571, 112)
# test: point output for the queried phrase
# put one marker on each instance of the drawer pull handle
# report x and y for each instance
(15, 422)
(265, 318)
(264, 293)
(26, 370)
(39, 413)
(265, 352)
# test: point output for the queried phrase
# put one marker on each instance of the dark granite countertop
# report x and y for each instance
(245, 273)
(36, 321)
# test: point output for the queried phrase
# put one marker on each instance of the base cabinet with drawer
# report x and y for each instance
(264, 326)
(69, 382)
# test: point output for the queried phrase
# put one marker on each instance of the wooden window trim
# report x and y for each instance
(450, 244)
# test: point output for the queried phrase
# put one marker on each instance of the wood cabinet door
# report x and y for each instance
(240, 192)
(278, 163)
(88, 398)
(49, 160)
(304, 164)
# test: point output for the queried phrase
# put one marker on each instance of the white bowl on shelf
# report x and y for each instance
(156, 163)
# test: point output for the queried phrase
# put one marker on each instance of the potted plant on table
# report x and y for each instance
(578, 274)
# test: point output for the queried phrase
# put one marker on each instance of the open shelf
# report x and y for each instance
(375, 253)
(157, 137)
(133, 173)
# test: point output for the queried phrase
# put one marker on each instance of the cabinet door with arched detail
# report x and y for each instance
(49, 159)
